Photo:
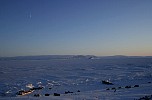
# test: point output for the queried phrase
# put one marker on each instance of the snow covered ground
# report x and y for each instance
(76, 77)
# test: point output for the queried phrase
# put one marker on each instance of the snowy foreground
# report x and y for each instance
(75, 78)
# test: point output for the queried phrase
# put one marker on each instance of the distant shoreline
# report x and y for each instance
(49, 57)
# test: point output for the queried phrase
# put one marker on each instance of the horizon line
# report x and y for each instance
(77, 55)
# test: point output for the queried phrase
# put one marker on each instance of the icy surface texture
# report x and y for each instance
(76, 78)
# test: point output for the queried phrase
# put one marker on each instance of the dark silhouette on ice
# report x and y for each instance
(56, 94)
(107, 82)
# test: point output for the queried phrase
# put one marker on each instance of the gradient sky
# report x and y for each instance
(66, 27)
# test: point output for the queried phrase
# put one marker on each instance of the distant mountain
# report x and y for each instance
(48, 57)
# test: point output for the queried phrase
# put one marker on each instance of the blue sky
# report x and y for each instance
(66, 27)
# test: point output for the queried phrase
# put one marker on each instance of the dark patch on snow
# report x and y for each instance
(56, 94)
